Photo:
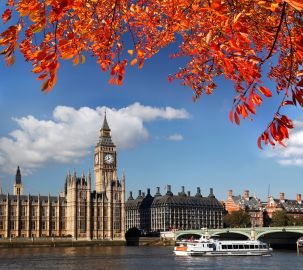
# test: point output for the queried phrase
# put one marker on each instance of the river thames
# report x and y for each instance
(129, 258)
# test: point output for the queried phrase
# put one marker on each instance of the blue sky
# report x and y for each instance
(200, 148)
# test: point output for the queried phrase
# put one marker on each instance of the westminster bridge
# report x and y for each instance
(287, 235)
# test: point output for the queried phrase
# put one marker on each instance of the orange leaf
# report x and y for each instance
(237, 119)
(130, 52)
(45, 85)
(231, 116)
(76, 60)
(82, 59)
(265, 91)
(133, 62)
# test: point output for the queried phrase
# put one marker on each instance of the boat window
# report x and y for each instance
(210, 245)
(229, 246)
(256, 246)
(265, 246)
(251, 247)
(241, 247)
(223, 246)
(246, 246)
(235, 246)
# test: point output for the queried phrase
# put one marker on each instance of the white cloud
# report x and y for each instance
(292, 155)
(68, 136)
(175, 137)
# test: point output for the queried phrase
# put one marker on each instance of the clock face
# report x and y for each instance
(108, 158)
(96, 158)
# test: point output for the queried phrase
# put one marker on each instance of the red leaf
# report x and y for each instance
(237, 119)
(265, 91)
(7, 14)
(231, 116)
(260, 143)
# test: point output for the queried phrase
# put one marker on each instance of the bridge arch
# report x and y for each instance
(188, 235)
(279, 231)
(231, 234)
(280, 238)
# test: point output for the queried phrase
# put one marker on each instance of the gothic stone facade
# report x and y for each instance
(173, 212)
(78, 212)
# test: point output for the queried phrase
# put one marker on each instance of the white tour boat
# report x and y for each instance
(207, 246)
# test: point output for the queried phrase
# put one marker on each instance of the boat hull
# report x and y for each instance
(223, 253)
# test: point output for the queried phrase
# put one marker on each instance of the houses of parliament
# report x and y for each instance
(79, 212)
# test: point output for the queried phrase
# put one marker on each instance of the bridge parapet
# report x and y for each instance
(250, 233)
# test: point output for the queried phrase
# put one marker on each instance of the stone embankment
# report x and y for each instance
(56, 242)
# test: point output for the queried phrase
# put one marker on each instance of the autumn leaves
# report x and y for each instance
(234, 39)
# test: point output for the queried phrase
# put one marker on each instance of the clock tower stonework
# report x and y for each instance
(105, 161)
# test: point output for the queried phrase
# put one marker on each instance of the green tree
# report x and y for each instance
(237, 219)
(281, 218)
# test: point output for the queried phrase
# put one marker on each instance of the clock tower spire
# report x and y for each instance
(105, 163)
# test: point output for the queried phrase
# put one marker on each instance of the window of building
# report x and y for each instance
(2, 210)
(53, 225)
(23, 211)
(34, 211)
(22, 225)
(53, 210)
(33, 225)
(62, 225)
(12, 225)
(43, 225)
(13, 211)
(44, 211)
(1, 225)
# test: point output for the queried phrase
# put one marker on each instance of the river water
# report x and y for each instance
(133, 258)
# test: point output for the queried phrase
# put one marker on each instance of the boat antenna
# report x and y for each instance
(268, 191)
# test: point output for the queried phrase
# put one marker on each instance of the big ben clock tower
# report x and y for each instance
(105, 162)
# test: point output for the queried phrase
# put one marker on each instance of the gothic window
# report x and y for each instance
(2, 210)
(22, 225)
(23, 211)
(53, 225)
(53, 210)
(82, 211)
(33, 225)
(12, 223)
(43, 225)
(62, 225)
(13, 211)
(1, 225)
(44, 211)
(62, 211)
(82, 225)
(34, 211)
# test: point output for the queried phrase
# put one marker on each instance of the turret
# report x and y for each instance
(18, 187)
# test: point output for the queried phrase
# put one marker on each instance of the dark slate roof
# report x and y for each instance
(186, 201)
(18, 176)
(251, 204)
(292, 206)
(32, 198)
(105, 125)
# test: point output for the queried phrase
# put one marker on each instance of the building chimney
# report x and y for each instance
(183, 189)
(139, 193)
(198, 194)
(158, 192)
(230, 193)
(168, 188)
(130, 195)
(188, 193)
(299, 198)
(246, 194)
(282, 196)
(148, 191)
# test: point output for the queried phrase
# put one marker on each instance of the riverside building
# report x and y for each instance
(78, 212)
(173, 212)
